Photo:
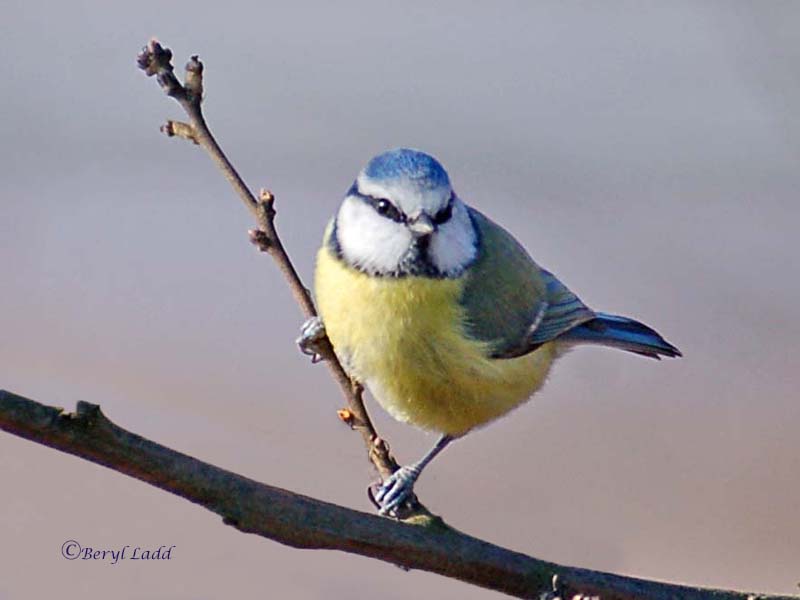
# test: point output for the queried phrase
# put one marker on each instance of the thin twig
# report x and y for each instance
(425, 543)
(157, 60)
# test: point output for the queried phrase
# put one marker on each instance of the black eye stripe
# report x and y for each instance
(386, 209)
(443, 216)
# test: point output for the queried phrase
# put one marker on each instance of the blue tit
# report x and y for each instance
(440, 312)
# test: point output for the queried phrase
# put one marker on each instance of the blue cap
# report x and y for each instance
(405, 163)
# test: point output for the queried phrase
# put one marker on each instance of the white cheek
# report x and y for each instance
(453, 245)
(368, 240)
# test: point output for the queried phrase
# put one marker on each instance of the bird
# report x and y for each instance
(440, 312)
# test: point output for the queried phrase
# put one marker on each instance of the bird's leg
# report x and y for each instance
(399, 487)
(311, 334)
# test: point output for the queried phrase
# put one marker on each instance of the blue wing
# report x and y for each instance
(563, 312)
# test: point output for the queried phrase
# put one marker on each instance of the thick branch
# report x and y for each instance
(426, 543)
(156, 60)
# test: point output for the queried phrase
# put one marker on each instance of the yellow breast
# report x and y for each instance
(404, 339)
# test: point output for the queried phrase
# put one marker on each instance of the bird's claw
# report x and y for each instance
(397, 492)
(312, 334)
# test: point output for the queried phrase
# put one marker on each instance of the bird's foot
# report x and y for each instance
(312, 335)
(395, 496)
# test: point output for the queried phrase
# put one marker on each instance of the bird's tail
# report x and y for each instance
(623, 333)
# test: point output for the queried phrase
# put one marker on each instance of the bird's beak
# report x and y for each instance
(421, 225)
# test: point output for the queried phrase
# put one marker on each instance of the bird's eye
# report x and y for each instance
(444, 215)
(386, 209)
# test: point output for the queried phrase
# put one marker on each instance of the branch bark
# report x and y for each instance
(424, 542)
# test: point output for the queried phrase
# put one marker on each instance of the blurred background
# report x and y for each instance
(645, 152)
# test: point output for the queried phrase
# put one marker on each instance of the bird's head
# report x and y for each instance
(401, 217)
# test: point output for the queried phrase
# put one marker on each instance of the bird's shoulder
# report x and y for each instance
(511, 302)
